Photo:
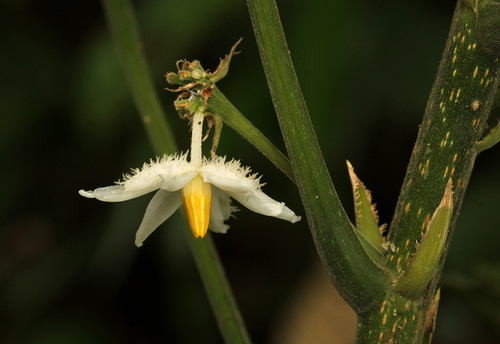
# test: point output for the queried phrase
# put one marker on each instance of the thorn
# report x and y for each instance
(365, 212)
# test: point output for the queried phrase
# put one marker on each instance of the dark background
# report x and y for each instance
(69, 270)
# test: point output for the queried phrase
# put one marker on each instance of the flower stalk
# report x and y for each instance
(196, 138)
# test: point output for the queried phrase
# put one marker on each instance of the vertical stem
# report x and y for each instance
(454, 120)
(126, 38)
(356, 276)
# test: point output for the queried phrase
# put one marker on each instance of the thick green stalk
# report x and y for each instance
(357, 277)
(123, 25)
(454, 120)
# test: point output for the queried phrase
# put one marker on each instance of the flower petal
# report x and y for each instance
(147, 179)
(117, 193)
(161, 207)
(149, 174)
(228, 176)
(261, 203)
(220, 211)
(288, 215)
(174, 183)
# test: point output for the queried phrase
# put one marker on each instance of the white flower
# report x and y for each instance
(203, 186)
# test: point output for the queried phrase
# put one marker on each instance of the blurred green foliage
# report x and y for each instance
(69, 270)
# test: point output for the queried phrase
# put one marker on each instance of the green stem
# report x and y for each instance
(221, 106)
(126, 37)
(445, 151)
(357, 277)
(123, 25)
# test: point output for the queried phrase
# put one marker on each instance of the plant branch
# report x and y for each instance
(357, 277)
(220, 105)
